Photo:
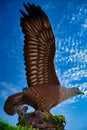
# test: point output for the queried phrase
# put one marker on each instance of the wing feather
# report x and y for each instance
(39, 47)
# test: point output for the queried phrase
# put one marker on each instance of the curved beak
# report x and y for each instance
(80, 92)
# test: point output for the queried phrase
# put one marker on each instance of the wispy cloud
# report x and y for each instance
(7, 89)
(81, 11)
(71, 53)
(49, 5)
(84, 25)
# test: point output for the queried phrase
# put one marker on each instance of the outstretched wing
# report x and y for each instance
(39, 47)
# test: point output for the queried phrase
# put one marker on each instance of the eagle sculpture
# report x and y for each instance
(44, 89)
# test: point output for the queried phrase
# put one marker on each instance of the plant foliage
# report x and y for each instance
(6, 126)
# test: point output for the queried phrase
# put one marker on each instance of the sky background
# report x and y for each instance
(69, 22)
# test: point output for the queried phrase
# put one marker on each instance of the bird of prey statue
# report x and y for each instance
(44, 89)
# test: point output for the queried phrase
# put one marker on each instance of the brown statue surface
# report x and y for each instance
(44, 89)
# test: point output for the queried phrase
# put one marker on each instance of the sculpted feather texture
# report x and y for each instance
(45, 90)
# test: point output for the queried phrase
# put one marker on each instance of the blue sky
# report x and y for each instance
(69, 22)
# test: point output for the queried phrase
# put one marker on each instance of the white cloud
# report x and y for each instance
(49, 5)
(74, 74)
(4, 94)
(8, 89)
(85, 93)
(71, 51)
(84, 25)
(66, 79)
(81, 11)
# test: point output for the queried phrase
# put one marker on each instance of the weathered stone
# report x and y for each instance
(36, 120)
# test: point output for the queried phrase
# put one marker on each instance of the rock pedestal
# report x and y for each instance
(43, 121)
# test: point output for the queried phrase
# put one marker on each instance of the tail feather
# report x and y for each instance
(12, 103)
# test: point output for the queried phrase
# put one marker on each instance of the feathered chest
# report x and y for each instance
(43, 97)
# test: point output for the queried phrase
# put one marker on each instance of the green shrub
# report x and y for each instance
(6, 126)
